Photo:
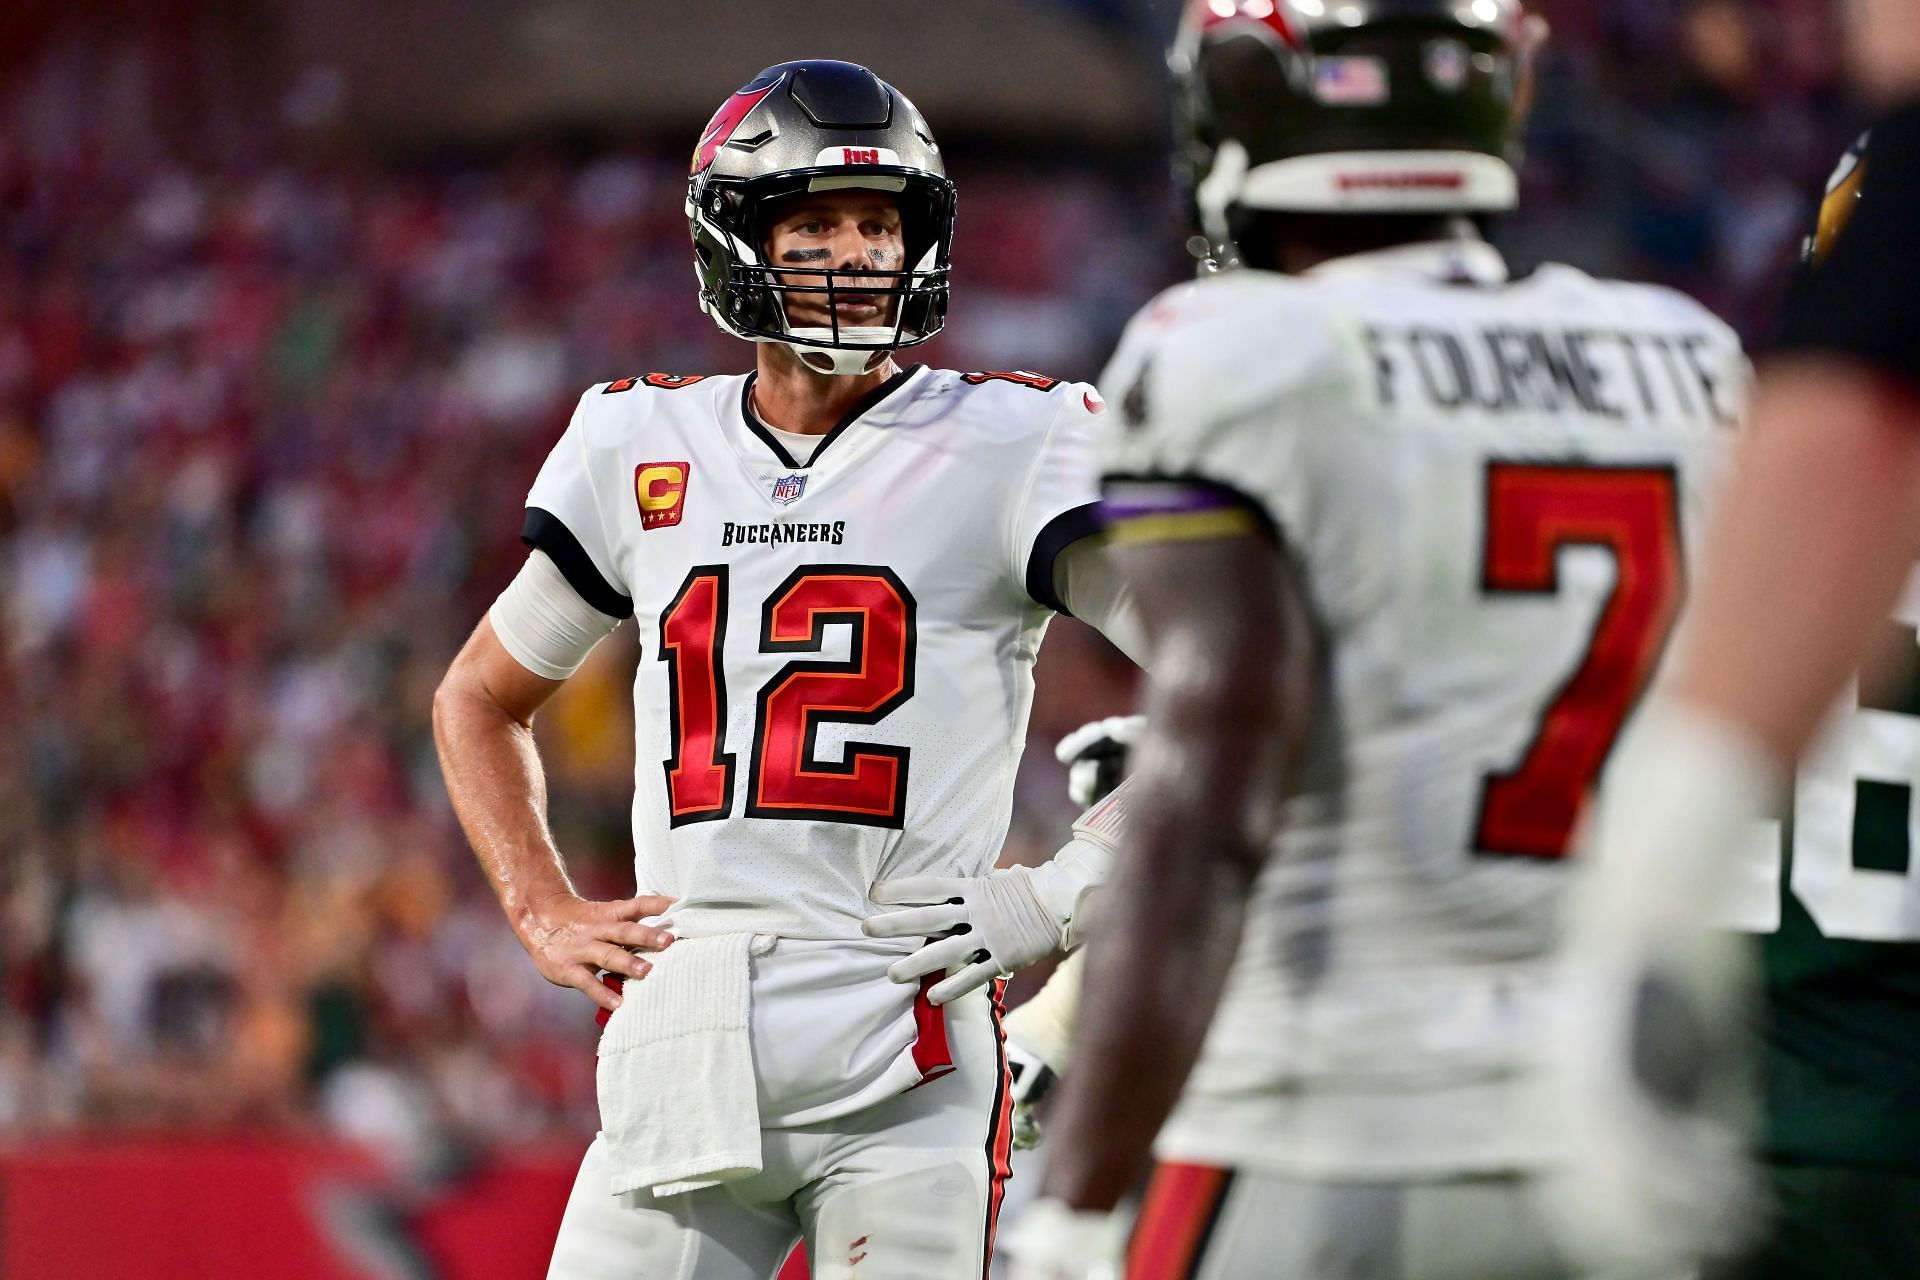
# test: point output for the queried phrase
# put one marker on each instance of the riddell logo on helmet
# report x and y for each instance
(1400, 181)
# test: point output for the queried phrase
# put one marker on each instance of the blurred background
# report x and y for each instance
(294, 298)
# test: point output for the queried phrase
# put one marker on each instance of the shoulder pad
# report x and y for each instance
(1658, 303)
(1230, 344)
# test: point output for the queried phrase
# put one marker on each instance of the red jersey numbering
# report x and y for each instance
(1532, 512)
(662, 381)
(787, 779)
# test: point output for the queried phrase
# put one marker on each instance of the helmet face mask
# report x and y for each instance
(807, 127)
(1347, 107)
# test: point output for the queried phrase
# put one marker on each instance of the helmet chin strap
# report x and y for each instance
(1218, 191)
(842, 361)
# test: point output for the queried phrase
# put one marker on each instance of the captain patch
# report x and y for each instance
(661, 490)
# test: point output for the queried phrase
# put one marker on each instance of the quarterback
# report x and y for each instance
(1408, 531)
(841, 570)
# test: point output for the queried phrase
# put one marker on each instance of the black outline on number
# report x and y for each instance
(814, 717)
(716, 653)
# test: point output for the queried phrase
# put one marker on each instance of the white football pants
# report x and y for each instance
(1202, 1223)
(907, 1189)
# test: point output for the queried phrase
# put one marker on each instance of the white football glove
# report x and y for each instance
(1649, 1072)
(1096, 756)
(1053, 1242)
(1653, 1095)
(983, 927)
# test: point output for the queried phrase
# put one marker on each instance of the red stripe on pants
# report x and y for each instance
(1181, 1203)
(1000, 1136)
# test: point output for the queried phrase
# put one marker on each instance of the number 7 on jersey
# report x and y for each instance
(1533, 512)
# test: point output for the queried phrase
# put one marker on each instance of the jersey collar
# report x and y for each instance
(865, 403)
(1453, 261)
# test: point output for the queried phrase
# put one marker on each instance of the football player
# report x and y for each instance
(1407, 532)
(1817, 536)
(841, 570)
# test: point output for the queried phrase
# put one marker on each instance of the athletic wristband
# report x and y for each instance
(1063, 882)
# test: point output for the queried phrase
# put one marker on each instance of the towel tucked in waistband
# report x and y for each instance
(678, 1106)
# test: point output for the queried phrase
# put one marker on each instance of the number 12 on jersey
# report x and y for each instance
(786, 778)
(1533, 512)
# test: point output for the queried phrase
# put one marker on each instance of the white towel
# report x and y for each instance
(678, 1107)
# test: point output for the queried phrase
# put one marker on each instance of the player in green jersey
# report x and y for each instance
(1812, 546)
(1840, 951)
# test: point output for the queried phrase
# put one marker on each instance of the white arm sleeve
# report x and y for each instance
(543, 622)
(1094, 589)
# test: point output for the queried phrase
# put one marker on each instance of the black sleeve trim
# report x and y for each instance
(1229, 494)
(543, 531)
(1061, 532)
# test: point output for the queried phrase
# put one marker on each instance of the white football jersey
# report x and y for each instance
(836, 670)
(1492, 488)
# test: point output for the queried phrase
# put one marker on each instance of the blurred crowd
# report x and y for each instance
(1684, 141)
(266, 425)
(268, 410)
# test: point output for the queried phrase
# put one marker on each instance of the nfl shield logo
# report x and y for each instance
(789, 488)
